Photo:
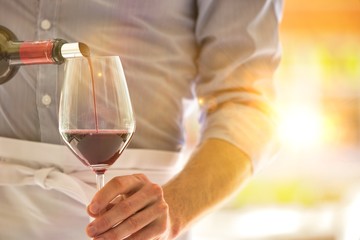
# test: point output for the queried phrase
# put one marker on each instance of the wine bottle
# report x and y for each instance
(14, 53)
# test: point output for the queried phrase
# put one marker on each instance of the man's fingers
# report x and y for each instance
(144, 220)
(122, 185)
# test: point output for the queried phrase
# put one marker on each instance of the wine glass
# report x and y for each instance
(96, 119)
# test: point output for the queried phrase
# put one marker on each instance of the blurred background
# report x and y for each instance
(312, 190)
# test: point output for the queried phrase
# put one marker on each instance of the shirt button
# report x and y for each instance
(45, 24)
(46, 100)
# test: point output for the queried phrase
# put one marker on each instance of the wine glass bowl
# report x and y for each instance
(96, 119)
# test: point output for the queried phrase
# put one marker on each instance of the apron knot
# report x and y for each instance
(41, 175)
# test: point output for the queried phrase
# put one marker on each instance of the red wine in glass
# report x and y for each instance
(97, 149)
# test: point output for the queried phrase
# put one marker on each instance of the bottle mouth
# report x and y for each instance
(75, 50)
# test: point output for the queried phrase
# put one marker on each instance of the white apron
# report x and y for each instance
(44, 188)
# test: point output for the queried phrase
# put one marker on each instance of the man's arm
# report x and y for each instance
(238, 55)
(214, 172)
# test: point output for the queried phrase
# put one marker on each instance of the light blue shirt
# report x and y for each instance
(222, 53)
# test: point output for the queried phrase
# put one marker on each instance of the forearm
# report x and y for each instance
(214, 172)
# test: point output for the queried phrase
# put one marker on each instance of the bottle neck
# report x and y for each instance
(38, 52)
(14, 53)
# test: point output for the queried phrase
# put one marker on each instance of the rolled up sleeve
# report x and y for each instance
(239, 54)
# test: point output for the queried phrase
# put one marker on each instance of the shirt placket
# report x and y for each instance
(47, 76)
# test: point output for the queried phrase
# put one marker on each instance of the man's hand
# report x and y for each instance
(132, 207)
(129, 207)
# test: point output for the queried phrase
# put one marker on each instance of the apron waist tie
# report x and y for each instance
(54, 167)
(47, 178)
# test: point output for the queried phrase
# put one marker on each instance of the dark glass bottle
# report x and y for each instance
(14, 53)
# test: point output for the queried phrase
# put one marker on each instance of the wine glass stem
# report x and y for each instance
(100, 180)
